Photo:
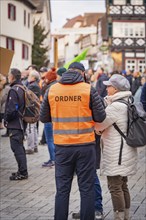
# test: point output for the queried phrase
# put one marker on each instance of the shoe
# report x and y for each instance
(5, 135)
(15, 173)
(49, 163)
(18, 176)
(99, 215)
(35, 150)
(29, 151)
(76, 215)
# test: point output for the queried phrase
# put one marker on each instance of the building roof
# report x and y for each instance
(71, 22)
(29, 3)
(39, 4)
(87, 20)
(92, 18)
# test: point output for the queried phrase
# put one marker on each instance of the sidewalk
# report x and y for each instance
(33, 199)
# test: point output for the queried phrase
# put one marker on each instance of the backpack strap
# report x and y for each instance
(119, 130)
(21, 86)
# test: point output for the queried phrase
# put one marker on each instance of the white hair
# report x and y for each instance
(34, 74)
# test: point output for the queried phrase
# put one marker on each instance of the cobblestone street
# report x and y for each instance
(33, 199)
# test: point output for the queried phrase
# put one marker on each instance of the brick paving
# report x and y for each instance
(33, 199)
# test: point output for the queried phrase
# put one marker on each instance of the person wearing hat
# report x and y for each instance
(49, 80)
(73, 106)
(117, 163)
(60, 71)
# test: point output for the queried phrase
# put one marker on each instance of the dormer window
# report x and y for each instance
(11, 12)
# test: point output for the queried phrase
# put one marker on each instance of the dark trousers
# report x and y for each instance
(71, 159)
(43, 139)
(98, 195)
(16, 142)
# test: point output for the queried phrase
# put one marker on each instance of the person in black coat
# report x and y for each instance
(100, 87)
(136, 82)
(12, 120)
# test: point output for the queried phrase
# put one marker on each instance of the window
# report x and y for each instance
(119, 2)
(11, 12)
(28, 20)
(129, 29)
(24, 52)
(10, 43)
(24, 17)
(136, 2)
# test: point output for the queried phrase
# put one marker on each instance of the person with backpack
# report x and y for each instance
(32, 133)
(15, 104)
(118, 160)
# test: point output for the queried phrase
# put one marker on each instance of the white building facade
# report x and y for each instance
(17, 30)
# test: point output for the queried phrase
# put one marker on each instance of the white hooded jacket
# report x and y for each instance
(111, 139)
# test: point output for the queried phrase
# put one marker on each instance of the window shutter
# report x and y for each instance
(23, 51)
(14, 13)
(24, 17)
(28, 20)
(9, 10)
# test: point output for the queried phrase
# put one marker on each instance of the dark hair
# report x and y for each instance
(16, 73)
(33, 67)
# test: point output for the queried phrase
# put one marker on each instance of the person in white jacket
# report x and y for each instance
(117, 167)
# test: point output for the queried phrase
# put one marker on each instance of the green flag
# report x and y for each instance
(78, 58)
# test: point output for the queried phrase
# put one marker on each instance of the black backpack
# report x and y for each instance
(32, 106)
(136, 126)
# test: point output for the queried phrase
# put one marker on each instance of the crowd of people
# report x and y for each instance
(78, 109)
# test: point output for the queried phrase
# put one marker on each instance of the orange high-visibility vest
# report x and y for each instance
(70, 113)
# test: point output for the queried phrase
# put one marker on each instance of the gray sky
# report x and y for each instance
(62, 9)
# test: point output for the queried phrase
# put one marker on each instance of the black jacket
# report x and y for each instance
(136, 83)
(96, 105)
(34, 87)
(15, 102)
(100, 87)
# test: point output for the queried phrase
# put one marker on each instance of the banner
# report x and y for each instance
(78, 58)
(5, 60)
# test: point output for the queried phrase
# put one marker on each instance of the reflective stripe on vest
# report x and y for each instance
(71, 115)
